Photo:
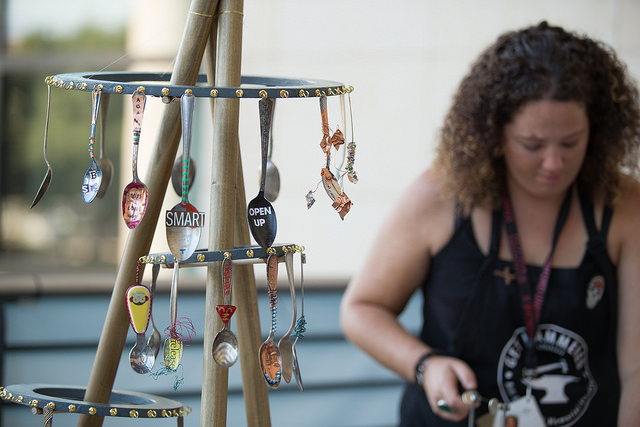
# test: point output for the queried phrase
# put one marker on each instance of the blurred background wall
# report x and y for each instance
(404, 60)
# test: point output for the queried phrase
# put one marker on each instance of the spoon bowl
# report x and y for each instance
(225, 347)
(141, 356)
(260, 213)
(47, 176)
(272, 181)
(272, 184)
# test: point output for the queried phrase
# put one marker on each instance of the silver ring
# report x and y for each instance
(444, 406)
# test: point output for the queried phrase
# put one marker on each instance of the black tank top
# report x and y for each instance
(473, 311)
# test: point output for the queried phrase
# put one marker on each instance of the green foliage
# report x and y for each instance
(86, 39)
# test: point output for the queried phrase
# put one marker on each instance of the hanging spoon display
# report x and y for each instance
(272, 181)
(47, 176)
(183, 223)
(269, 354)
(225, 343)
(173, 346)
(135, 194)
(93, 176)
(104, 163)
(260, 213)
(139, 301)
(285, 344)
(155, 339)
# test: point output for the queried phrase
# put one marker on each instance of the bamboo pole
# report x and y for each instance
(228, 226)
(112, 340)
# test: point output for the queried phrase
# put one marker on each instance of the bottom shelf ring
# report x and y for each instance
(69, 399)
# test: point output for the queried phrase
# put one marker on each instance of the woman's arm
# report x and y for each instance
(419, 226)
(625, 250)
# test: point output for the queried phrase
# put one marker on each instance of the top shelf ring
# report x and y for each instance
(158, 84)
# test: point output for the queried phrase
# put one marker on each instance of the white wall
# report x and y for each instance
(404, 59)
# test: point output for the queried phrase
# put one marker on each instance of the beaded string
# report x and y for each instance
(164, 371)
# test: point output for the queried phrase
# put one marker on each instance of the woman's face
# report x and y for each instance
(544, 146)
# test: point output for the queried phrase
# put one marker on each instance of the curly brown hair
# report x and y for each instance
(540, 62)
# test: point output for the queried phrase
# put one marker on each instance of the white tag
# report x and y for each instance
(526, 411)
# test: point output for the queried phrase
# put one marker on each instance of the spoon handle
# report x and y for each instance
(288, 260)
(325, 144)
(173, 304)
(266, 116)
(95, 105)
(104, 107)
(272, 279)
(187, 106)
(139, 100)
(227, 273)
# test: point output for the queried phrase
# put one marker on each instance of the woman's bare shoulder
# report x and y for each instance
(425, 211)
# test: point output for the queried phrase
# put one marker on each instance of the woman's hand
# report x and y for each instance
(443, 377)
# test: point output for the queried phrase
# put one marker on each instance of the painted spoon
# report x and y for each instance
(47, 176)
(183, 222)
(104, 163)
(260, 213)
(135, 194)
(155, 339)
(225, 344)
(93, 176)
(269, 354)
(139, 301)
(173, 346)
(285, 345)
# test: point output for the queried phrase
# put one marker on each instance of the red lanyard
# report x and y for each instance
(531, 298)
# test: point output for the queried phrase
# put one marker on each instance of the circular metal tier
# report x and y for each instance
(157, 84)
(70, 399)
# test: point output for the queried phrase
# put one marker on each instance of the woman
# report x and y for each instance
(538, 157)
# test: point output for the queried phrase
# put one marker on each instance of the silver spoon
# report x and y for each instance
(47, 176)
(139, 302)
(155, 339)
(93, 175)
(296, 367)
(172, 346)
(225, 344)
(183, 223)
(269, 354)
(260, 213)
(285, 345)
(104, 163)
(272, 183)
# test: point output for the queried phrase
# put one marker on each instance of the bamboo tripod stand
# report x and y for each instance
(213, 31)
